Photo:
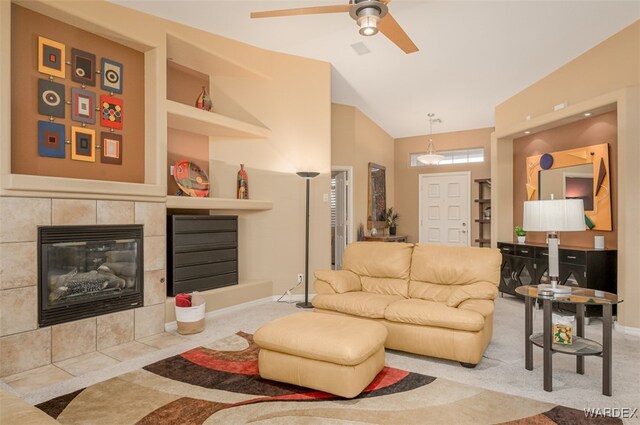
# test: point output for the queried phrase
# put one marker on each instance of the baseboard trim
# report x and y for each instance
(172, 326)
(627, 330)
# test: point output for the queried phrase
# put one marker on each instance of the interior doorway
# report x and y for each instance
(445, 208)
(341, 210)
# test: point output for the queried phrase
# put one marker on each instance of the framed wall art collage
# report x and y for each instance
(71, 90)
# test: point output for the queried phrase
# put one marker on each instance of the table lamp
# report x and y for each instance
(553, 216)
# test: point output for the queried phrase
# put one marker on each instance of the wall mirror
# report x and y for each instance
(377, 206)
(574, 182)
(581, 173)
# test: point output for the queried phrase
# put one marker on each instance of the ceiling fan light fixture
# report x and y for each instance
(368, 25)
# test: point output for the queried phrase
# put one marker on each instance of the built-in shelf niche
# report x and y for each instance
(191, 130)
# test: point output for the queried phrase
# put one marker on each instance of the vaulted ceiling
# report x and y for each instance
(473, 54)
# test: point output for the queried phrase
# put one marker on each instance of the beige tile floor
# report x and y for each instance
(87, 364)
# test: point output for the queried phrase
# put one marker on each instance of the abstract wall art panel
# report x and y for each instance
(51, 57)
(83, 67)
(83, 142)
(111, 152)
(111, 76)
(111, 112)
(51, 139)
(50, 98)
(83, 106)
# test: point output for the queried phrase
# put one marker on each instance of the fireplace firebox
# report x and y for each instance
(87, 271)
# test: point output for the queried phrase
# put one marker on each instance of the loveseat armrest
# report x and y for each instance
(474, 291)
(484, 307)
(336, 281)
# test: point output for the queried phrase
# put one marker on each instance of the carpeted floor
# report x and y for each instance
(219, 383)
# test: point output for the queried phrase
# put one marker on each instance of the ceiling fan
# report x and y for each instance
(372, 16)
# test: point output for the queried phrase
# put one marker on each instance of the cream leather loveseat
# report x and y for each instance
(435, 300)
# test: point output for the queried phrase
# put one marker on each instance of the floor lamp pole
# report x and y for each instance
(306, 304)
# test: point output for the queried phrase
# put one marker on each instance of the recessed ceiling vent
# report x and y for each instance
(360, 48)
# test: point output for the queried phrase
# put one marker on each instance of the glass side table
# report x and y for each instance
(581, 346)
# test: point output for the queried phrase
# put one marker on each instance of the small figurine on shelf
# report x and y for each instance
(361, 232)
(204, 101)
(243, 183)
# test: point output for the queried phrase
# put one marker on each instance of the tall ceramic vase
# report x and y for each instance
(204, 101)
(243, 183)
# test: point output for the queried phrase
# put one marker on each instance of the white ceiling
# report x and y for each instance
(473, 54)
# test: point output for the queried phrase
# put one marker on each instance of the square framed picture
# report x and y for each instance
(83, 144)
(50, 98)
(83, 67)
(51, 57)
(51, 139)
(111, 152)
(111, 75)
(111, 112)
(83, 106)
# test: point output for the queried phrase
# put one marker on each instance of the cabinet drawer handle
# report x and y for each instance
(524, 252)
(545, 254)
(505, 249)
(571, 257)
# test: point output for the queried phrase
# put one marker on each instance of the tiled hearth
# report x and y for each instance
(73, 347)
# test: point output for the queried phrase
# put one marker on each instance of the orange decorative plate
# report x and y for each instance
(191, 179)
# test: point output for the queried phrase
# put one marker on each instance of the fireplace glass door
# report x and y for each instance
(86, 271)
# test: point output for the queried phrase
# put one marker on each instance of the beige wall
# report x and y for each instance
(356, 141)
(608, 74)
(407, 176)
(289, 95)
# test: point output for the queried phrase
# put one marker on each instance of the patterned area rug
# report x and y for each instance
(219, 384)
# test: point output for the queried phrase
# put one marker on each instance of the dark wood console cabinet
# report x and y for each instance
(528, 264)
(202, 252)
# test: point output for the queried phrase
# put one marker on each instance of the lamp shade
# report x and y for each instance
(556, 215)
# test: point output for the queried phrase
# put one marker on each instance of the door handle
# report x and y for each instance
(463, 231)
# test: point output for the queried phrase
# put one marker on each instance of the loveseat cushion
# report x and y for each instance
(385, 286)
(341, 281)
(363, 304)
(430, 313)
(378, 259)
(475, 291)
(435, 265)
(391, 262)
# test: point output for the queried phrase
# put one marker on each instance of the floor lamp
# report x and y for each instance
(307, 175)
(553, 216)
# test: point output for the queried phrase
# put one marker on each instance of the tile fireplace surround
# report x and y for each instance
(24, 346)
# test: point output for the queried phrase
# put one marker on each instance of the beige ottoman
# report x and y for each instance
(336, 354)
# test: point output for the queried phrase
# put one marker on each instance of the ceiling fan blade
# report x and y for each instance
(394, 32)
(302, 11)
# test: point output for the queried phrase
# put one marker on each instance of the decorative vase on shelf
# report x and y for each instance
(374, 231)
(243, 183)
(204, 101)
(521, 239)
(392, 230)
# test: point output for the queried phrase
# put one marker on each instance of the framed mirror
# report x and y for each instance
(377, 206)
(581, 173)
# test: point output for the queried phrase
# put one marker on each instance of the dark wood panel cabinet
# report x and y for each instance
(202, 252)
(528, 264)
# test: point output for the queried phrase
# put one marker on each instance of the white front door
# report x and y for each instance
(445, 208)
